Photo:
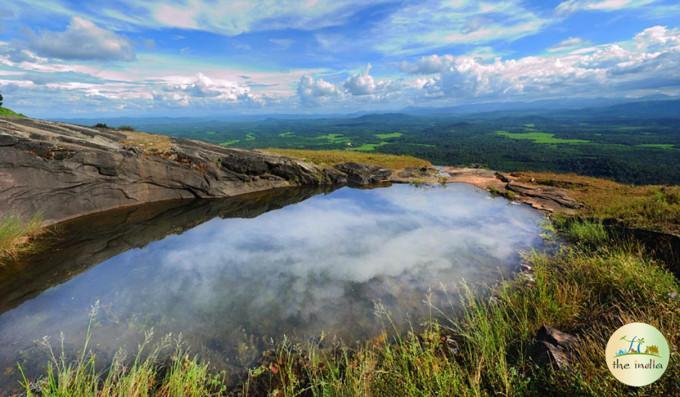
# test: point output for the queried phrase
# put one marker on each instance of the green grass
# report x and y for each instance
(664, 146)
(390, 135)
(368, 147)
(582, 231)
(148, 373)
(540, 137)
(332, 139)
(250, 136)
(5, 112)
(287, 134)
(230, 142)
(16, 234)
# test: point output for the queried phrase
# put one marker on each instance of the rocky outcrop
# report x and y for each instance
(360, 174)
(62, 171)
(546, 195)
(541, 197)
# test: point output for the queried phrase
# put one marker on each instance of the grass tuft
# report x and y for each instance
(16, 234)
(146, 374)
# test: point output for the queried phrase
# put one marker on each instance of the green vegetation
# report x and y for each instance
(16, 234)
(250, 136)
(332, 157)
(509, 194)
(664, 146)
(540, 137)
(582, 232)
(620, 147)
(368, 147)
(332, 138)
(126, 128)
(389, 135)
(231, 142)
(5, 112)
(145, 375)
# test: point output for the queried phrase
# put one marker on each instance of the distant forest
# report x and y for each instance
(633, 143)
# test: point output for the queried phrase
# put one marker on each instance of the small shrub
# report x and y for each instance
(126, 128)
(101, 125)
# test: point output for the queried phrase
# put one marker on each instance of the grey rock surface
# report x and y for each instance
(62, 171)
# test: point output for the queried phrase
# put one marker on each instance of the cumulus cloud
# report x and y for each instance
(650, 61)
(82, 40)
(203, 89)
(314, 91)
(570, 6)
(361, 83)
(358, 88)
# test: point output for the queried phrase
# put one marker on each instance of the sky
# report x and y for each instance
(67, 58)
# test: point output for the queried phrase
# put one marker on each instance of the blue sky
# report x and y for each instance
(66, 58)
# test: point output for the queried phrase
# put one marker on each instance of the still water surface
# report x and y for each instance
(233, 275)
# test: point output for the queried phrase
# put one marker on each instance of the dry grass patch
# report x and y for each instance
(333, 157)
(148, 143)
(650, 206)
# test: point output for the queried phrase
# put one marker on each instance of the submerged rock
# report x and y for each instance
(62, 171)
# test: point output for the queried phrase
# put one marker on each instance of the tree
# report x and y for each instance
(1, 100)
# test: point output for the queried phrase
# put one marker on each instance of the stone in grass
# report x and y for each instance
(552, 347)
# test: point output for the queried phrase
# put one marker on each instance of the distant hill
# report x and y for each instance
(651, 107)
(646, 109)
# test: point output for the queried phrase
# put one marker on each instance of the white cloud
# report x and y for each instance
(235, 17)
(570, 6)
(649, 61)
(201, 88)
(314, 91)
(83, 40)
(361, 83)
(569, 44)
(428, 25)
(657, 38)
